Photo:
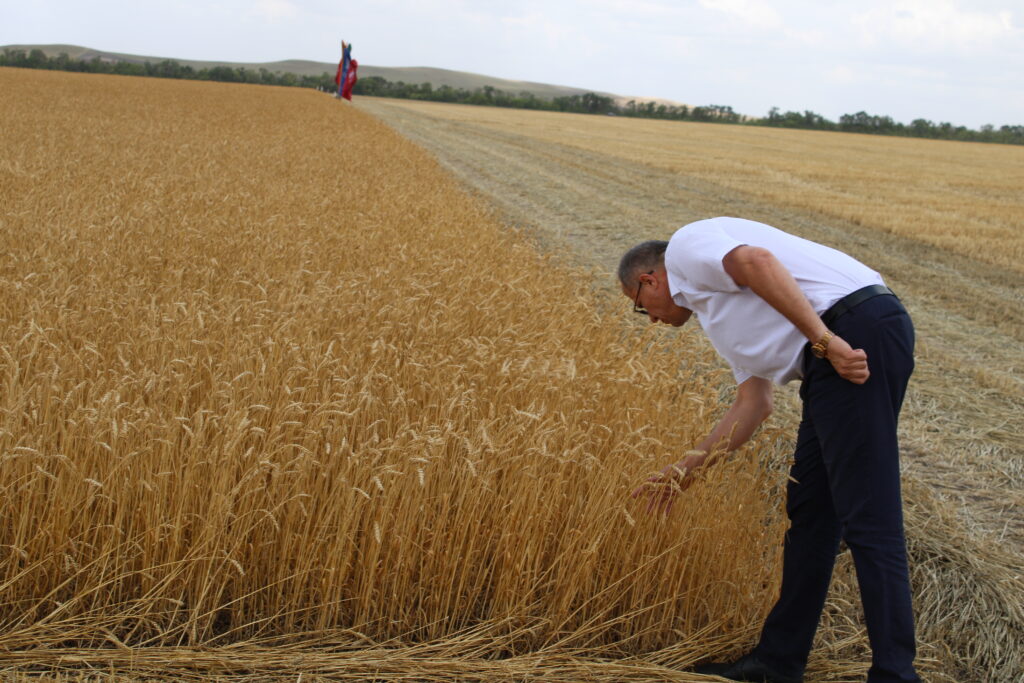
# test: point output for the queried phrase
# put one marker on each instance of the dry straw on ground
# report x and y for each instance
(278, 398)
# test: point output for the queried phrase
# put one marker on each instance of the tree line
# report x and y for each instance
(592, 103)
(586, 103)
(863, 122)
(168, 68)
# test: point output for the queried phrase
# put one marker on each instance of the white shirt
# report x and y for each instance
(755, 339)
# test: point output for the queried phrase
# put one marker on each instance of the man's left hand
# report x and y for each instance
(850, 363)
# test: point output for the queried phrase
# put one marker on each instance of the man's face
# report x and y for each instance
(651, 296)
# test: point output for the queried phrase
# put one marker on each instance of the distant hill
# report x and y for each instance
(302, 67)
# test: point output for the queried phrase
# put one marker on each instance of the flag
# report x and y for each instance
(341, 77)
(350, 80)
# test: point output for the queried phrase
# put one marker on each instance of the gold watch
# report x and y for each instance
(820, 349)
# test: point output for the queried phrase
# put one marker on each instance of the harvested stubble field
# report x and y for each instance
(281, 398)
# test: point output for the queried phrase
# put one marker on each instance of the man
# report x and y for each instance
(778, 308)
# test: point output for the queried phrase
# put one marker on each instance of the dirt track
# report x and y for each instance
(964, 420)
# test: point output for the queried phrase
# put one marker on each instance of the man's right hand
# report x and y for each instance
(662, 488)
(850, 363)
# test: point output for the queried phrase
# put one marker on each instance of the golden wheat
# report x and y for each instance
(266, 371)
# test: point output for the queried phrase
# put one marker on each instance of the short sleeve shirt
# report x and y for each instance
(754, 338)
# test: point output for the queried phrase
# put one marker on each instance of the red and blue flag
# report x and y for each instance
(350, 80)
(345, 79)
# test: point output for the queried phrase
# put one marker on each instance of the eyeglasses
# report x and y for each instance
(637, 308)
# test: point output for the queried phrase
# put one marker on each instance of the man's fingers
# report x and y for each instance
(660, 501)
(852, 365)
(641, 490)
(651, 483)
(661, 489)
(857, 375)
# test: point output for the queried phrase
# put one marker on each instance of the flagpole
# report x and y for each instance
(340, 78)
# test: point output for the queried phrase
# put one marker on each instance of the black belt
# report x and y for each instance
(850, 300)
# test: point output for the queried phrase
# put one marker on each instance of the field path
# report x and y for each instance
(964, 419)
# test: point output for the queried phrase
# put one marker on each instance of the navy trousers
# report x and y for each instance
(845, 483)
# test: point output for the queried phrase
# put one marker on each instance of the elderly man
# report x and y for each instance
(779, 308)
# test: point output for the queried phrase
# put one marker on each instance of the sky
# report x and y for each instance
(960, 61)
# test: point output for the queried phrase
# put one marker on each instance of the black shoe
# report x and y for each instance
(746, 668)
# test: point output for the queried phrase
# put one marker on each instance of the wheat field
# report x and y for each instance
(281, 399)
(268, 372)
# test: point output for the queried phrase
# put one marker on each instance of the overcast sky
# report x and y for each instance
(946, 60)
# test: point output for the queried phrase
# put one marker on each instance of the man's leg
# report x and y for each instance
(808, 558)
(856, 426)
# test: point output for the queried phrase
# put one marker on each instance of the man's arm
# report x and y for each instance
(759, 270)
(751, 407)
(753, 404)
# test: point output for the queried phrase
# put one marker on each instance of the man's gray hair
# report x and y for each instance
(642, 258)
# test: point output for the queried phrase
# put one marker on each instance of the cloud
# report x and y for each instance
(755, 13)
(274, 10)
(552, 33)
(934, 25)
(625, 10)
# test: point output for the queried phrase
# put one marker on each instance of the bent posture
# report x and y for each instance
(779, 308)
